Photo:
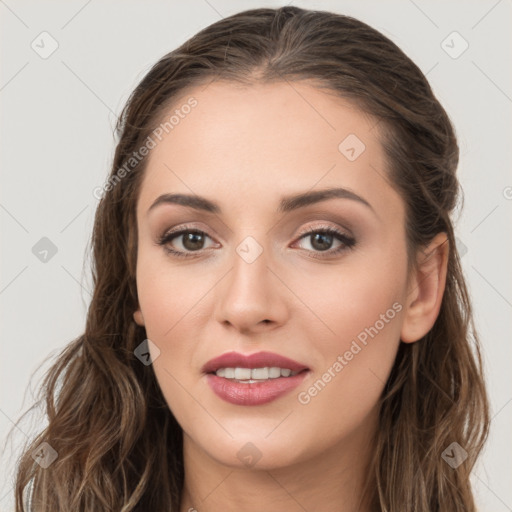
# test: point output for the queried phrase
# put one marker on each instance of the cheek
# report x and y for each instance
(173, 301)
(166, 295)
(356, 296)
(344, 391)
(167, 304)
(363, 312)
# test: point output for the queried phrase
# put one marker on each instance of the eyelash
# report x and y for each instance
(347, 241)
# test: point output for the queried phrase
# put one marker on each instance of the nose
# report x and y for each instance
(251, 298)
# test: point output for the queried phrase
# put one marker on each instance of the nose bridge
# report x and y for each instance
(249, 278)
(250, 294)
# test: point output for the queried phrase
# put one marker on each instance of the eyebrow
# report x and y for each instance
(287, 204)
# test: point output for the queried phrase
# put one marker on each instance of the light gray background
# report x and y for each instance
(57, 142)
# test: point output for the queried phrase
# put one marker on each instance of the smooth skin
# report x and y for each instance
(246, 147)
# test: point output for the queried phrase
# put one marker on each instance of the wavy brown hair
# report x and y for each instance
(119, 446)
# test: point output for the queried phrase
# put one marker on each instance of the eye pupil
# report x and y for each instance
(193, 241)
(322, 238)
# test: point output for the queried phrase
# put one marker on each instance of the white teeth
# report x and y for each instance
(242, 373)
(274, 372)
(254, 374)
(262, 373)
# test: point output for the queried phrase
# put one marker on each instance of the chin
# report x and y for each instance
(255, 452)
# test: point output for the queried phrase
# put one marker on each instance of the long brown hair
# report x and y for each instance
(119, 447)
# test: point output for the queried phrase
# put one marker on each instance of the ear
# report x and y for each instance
(139, 319)
(426, 289)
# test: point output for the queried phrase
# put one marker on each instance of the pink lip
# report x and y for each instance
(257, 360)
(256, 393)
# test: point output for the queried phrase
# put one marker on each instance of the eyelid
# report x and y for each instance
(183, 227)
(319, 227)
(303, 231)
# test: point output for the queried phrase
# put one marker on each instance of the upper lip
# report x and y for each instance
(257, 360)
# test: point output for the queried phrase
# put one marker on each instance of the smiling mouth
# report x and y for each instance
(254, 392)
(253, 379)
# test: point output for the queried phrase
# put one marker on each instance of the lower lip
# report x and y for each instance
(255, 393)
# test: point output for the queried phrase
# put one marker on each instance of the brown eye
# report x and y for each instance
(192, 241)
(322, 239)
(184, 241)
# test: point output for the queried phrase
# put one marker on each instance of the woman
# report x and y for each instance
(279, 319)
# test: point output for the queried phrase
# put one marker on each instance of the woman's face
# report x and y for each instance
(253, 162)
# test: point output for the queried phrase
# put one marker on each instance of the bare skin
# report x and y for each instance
(245, 148)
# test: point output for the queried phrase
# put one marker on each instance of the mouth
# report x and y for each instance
(255, 379)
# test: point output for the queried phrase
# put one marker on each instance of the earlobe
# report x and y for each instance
(425, 295)
(139, 319)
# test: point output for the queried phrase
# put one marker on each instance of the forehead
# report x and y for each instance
(250, 145)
